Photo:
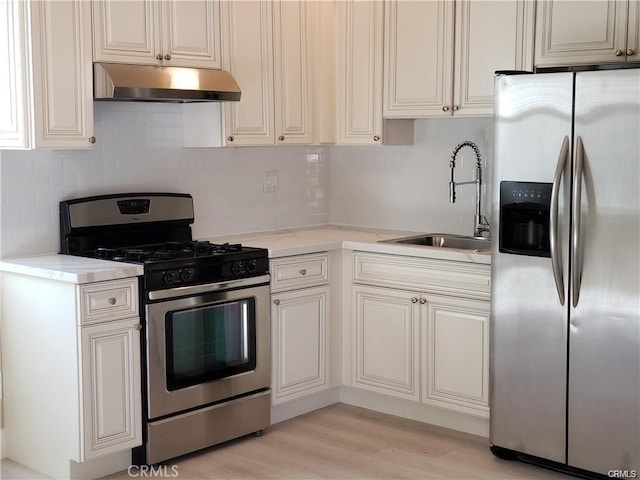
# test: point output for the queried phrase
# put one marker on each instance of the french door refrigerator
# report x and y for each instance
(565, 314)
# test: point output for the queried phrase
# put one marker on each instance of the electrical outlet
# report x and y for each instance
(270, 181)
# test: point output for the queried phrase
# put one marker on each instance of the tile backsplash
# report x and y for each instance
(140, 148)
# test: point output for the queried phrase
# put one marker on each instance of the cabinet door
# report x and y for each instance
(292, 81)
(359, 80)
(386, 341)
(62, 74)
(247, 55)
(299, 322)
(191, 33)
(418, 58)
(126, 31)
(455, 353)
(111, 397)
(633, 32)
(598, 36)
(15, 84)
(490, 36)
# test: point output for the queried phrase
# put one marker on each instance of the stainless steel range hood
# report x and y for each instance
(116, 81)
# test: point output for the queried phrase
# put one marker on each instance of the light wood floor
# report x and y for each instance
(345, 442)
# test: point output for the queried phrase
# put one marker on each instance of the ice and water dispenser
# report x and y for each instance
(524, 218)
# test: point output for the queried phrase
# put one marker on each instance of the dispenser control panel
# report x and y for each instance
(524, 218)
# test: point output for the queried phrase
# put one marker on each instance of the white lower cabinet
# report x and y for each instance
(428, 342)
(299, 342)
(111, 387)
(455, 353)
(386, 346)
(299, 314)
(79, 352)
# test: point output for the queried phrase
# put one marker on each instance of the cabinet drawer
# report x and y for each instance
(106, 301)
(423, 274)
(289, 273)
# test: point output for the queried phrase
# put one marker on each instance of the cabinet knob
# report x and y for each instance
(112, 301)
(456, 108)
(138, 326)
(619, 53)
(423, 301)
(376, 138)
(230, 138)
(167, 56)
(303, 272)
(414, 300)
(276, 302)
(159, 56)
(445, 108)
(630, 51)
(281, 138)
(92, 139)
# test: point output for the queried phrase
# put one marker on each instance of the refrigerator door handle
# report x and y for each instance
(556, 262)
(576, 260)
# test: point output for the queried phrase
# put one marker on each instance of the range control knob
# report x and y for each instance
(186, 274)
(169, 277)
(237, 268)
(251, 265)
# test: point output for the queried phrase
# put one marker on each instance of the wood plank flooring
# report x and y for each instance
(346, 442)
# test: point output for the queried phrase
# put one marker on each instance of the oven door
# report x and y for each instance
(210, 344)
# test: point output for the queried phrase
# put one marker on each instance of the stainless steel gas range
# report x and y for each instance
(206, 327)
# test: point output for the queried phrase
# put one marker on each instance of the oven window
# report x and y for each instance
(210, 342)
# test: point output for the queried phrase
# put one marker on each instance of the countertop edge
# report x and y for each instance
(70, 269)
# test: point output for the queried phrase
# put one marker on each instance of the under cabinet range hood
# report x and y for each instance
(117, 81)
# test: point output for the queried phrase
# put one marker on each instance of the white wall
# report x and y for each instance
(139, 148)
(408, 187)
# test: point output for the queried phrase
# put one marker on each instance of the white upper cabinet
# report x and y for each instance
(170, 32)
(266, 48)
(607, 31)
(247, 55)
(359, 78)
(46, 94)
(441, 56)
(291, 72)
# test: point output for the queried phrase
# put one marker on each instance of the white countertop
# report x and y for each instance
(68, 268)
(298, 241)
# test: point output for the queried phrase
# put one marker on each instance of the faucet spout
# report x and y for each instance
(480, 223)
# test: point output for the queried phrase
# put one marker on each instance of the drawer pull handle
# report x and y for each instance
(423, 301)
(303, 272)
(138, 326)
(112, 301)
(414, 300)
(276, 302)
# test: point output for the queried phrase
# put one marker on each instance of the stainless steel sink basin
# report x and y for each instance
(443, 240)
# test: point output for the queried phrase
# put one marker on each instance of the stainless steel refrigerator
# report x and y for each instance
(565, 313)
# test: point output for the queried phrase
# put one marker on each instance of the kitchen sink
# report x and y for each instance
(443, 240)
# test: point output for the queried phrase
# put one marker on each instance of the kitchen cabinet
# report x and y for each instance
(420, 330)
(300, 302)
(86, 405)
(46, 99)
(608, 32)
(387, 341)
(359, 78)
(148, 32)
(441, 56)
(267, 50)
(454, 357)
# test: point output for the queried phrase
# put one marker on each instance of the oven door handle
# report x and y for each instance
(208, 287)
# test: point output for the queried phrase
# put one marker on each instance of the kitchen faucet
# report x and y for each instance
(480, 223)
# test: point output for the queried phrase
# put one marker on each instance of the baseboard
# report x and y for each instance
(422, 412)
(300, 406)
